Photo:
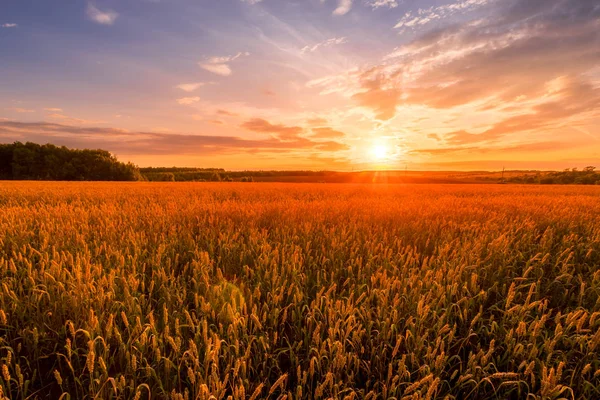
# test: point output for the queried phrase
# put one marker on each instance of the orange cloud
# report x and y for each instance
(156, 143)
(382, 99)
(227, 113)
(327, 133)
(188, 100)
(20, 110)
(264, 126)
(317, 121)
(575, 99)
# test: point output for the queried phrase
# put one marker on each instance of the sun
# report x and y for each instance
(380, 152)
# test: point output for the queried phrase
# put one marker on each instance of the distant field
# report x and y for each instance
(299, 291)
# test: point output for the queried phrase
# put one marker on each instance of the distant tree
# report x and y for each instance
(548, 180)
(168, 177)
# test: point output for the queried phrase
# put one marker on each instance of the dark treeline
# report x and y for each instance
(151, 170)
(218, 174)
(31, 161)
(587, 176)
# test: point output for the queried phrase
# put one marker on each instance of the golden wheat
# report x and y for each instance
(252, 291)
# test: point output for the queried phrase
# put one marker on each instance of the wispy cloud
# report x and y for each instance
(510, 149)
(227, 113)
(281, 131)
(73, 120)
(343, 82)
(219, 69)
(220, 65)
(9, 25)
(58, 110)
(325, 43)
(188, 100)
(344, 6)
(20, 110)
(518, 56)
(426, 15)
(375, 4)
(317, 121)
(190, 87)
(327, 133)
(122, 141)
(574, 100)
(107, 17)
(251, 1)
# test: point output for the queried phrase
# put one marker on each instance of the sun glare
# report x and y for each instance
(380, 152)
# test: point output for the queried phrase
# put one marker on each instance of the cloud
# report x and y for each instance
(58, 110)
(317, 121)
(190, 87)
(426, 15)
(220, 65)
(509, 62)
(281, 131)
(122, 141)
(443, 150)
(188, 100)
(291, 134)
(375, 4)
(20, 110)
(107, 17)
(252, 2)
(219, 69)
(378, 97)
(514, 148)
(72, 120)
(332, 146)
(327, 133)
(345, 83)
(575, 99)
(344, 6)
(325, 43)
(227, 113)
(9, 25)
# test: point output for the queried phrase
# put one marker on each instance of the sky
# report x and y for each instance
(307, 84)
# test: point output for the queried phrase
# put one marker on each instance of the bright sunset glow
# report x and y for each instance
(380, 152)
(284, 84)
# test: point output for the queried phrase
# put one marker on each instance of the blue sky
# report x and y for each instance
(454, 84)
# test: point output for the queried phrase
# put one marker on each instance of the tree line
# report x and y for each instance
(31, 161)
(177, 174)
(573, 176)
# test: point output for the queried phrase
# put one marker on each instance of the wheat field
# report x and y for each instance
(298, 291)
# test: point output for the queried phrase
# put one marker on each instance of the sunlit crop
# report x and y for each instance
(297, 291)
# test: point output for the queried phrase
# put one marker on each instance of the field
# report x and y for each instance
(299, 291)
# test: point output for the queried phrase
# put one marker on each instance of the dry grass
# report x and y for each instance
(253, 291)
